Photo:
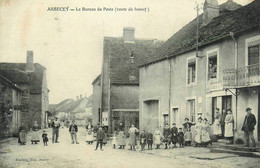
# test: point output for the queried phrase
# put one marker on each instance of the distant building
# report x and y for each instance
(120, 78)
(31, 78)
(178, 82)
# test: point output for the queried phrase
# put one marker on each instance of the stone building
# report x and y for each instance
(10, 99)
(180, 81)
(120, 78)
(31, 78)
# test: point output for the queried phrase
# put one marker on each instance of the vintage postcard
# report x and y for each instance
(129, 83)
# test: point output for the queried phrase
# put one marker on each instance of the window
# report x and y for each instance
(174, 115)
(212, 67)
(191, 110)
(191, 72)
(253, 60)
(253, 55)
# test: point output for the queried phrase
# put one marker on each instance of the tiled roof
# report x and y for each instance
(16, 73)
(237, 21)
(122, 70)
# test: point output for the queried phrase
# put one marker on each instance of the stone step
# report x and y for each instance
(239, 153)
(235, 147)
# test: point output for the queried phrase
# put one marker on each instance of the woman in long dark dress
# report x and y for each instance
(22, 135)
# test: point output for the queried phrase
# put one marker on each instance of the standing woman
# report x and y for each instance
(121, 136)
(217, 125)
(205, 138)
(198, 128)
(157, 137)
(89, 133)
(229, 126)
(132, 137)
(22, 135)
(35, 133)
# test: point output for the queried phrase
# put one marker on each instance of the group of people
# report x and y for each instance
(223, 125)
(171, 136)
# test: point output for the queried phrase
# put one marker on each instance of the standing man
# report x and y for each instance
(73, 132)
(174, 132)
(55, 130)
(248, 127)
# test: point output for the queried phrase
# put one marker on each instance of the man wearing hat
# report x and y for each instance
(248, 127)
(55, 130)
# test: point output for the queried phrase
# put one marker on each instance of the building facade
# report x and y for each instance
(10, 115)
(31, 78)
(193, 83)
(120, 78)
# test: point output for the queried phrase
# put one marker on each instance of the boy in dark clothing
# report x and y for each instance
(100, 137)
(73, 132)
(44, 138)
(174, 132)
(167, 135)
(143, 140)
(181, 137)
(150, 141)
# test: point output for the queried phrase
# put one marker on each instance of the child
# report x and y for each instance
(187, 137)
(100, 137)
(143, 140)
(114, 139)
(44, 138)
(181, 137)
(150, 141)
(167, 135)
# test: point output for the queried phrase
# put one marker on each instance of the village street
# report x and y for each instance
(65, 154)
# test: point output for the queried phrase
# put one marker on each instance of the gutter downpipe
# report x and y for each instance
(236, 66)
(102, 83)
(170, 83)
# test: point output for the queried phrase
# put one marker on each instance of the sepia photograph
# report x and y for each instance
(129, 83)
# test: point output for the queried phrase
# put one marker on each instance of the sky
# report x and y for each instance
(70, 44)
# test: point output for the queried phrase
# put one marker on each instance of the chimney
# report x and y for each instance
(29, 63)
(81, 96)
(210, 11)
(129, 35)
(77, 97)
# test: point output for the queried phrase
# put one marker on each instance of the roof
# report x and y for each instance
(70, 105)
(96, 79)
(122, 70)
(236, 20)
(16, 73)
(9, 83)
